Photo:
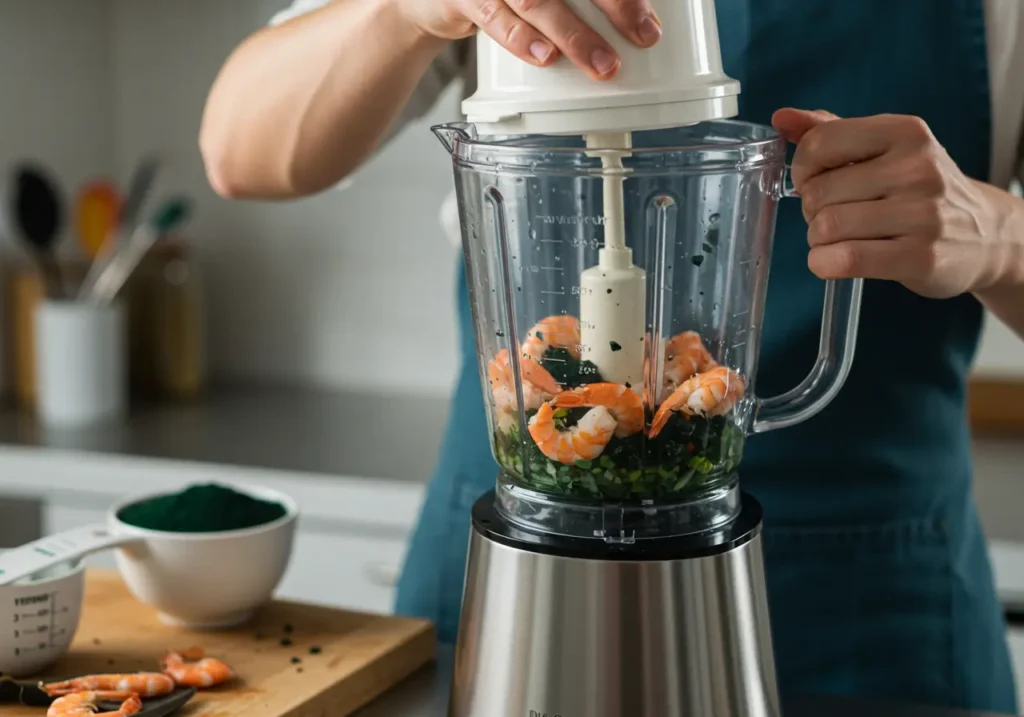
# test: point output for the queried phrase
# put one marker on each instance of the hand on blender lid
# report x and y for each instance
(538, 31)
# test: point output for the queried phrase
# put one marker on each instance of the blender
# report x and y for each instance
(617, 239)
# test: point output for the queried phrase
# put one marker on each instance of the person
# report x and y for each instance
(879, 582)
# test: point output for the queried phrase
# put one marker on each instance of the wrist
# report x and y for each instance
(1007, 242)
(398, 10)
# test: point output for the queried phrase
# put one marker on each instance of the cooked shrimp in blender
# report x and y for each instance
(583, 442)
(626, 407)
(144, 684)
(84, 704)
(191, 668)
(559, 332)
(500, 369)
(685, 356)
(712, 393)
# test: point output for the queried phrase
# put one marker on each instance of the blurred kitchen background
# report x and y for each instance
(300, 317)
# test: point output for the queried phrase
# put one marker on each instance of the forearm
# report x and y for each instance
(299, 106)
(1004, 297)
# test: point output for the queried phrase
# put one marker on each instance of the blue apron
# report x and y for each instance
(879, 581)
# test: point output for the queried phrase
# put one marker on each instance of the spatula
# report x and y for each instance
(138, 192)
(97, 212)
(38, 216)
(168, 217)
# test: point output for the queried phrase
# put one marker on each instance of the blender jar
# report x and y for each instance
(631, 424)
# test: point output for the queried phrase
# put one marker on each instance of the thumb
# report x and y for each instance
(794, 123)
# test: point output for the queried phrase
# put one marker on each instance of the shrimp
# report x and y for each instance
(626, 407)
(561, 332)
(83, 704)
(499, 372)
(583, 442)
(191, 668)
(144, 684)
(711, 393)
(685, 356)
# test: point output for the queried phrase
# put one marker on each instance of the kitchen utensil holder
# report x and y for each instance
(81, 364)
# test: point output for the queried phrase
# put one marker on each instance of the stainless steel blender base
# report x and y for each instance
(678, 628)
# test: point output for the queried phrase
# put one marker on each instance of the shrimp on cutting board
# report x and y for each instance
(625, 406)
(559, 332)
(583, 442)
(712, 393)
(84, 704)
(191, 668)
(144, 684)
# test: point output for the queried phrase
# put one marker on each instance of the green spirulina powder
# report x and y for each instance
(206, 508)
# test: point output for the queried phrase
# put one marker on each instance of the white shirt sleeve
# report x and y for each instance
(449, 66)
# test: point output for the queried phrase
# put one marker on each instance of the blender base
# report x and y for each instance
(573, 627)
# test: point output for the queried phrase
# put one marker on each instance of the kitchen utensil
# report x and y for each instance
(199, 580)
(39, 617)
(617, 237)
(170, 216)
(38, 214)
(138, 191)
(344, 659)
(81, 362)
(30, 695)
(97, 211)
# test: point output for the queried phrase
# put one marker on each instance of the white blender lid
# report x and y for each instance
(677, 82)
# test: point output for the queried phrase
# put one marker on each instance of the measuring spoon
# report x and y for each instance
(70, 546)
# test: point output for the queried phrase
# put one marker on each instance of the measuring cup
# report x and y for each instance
(39, 617)
(197, 580)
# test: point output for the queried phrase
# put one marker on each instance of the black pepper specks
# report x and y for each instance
(615, 345)
(285, 642)
(288, 629)
(707, 248)
(296, 660)
(609, 291)
(629, 385)
(315, 650)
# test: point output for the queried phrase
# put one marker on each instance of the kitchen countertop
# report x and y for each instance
(426, 695)
(283, 428)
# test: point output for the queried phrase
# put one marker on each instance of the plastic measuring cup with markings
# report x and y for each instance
(39, 617)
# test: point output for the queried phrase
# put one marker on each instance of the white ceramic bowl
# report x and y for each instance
(207, 580)
(39, 618)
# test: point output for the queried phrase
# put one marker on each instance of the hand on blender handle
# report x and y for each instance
(538, 31)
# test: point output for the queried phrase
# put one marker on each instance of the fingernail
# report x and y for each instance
(603, 61)
(649, 30)
(541, 50)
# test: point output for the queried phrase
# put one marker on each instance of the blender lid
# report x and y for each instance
(678, 81)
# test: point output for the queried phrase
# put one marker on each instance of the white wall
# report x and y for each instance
(316, 291)
(56, 90)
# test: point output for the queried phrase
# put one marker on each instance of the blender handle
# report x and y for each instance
(836, 347)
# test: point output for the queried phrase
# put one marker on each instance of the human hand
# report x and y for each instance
(883, 200)
(537, 31)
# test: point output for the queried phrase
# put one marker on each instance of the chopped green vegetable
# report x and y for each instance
(698, 260)
(689, 456)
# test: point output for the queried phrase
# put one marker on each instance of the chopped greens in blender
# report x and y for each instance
(685, 458)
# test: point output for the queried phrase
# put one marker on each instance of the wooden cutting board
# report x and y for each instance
(292, 660)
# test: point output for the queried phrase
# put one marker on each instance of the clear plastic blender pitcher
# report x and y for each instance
(618, 295)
